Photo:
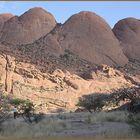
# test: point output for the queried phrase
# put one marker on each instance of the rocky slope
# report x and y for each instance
(128, 33)
(66, 61)
(88, 36)
(28, 27)
(56, 90)
(3, 19)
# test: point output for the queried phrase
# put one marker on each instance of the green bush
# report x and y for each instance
(95, 102)
(18, 101)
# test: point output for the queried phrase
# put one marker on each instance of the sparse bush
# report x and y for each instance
(95, 102)
(115, 116)
(17, 101)
(99, 101)
(46, 127)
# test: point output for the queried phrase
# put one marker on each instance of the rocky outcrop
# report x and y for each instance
(128, 33)
(90, 37)
(28, 27)
(50, 71)
(7, 66)
(104, 71)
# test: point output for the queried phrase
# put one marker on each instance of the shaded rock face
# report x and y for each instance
(128, 33)
(3, 19)
(27, 28)
(88, 36)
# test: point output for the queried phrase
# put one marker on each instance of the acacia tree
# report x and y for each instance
(97, 101)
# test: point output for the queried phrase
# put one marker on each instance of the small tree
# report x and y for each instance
(95, 102)
(98, 101)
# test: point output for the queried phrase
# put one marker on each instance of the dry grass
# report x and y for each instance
(116, 116)
(114, 124)
(23, 130)
(105, 124)
(120, 131)
(134, 122)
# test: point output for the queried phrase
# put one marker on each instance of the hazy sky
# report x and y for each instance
(110, 11)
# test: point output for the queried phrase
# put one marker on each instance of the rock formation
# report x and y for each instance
(28, 27)
(54, 64)
(128, 33)
(3, 19)
(88, 36)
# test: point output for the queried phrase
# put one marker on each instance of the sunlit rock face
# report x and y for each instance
(128, 33)
(90, 37)
(28, 27)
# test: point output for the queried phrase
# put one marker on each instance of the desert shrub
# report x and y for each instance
(18, 101)
(95, 102)
(23, 105)
(99, 101)
(115, 116)
(46, 127)
(132, 95)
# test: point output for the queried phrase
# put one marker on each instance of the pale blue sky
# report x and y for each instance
(110, 11)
